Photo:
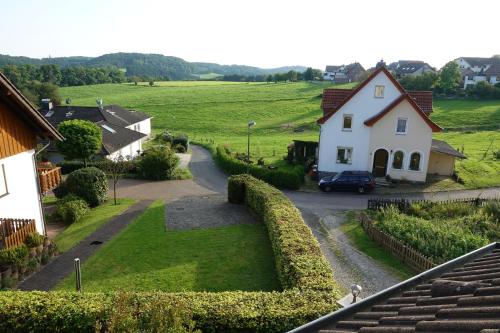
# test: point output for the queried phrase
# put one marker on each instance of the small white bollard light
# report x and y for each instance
(78, 275)
(352, 298)
(355, 291)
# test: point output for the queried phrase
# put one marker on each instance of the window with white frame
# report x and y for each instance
(344, 155)
(3, 182)
(401, 126)
(397, 160)
(415, 160)
(347, 123)
(379, 91)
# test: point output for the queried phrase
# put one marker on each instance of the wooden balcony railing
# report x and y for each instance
(13, 232)
(49, 177)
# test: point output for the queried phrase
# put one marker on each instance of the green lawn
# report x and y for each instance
(219, 111)
(95, 218)
(354, 231)
(145, 257)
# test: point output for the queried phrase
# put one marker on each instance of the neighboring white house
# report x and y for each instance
(381, 128)
(344, 73)
(20, 127)
(475, 69)
(123, 131)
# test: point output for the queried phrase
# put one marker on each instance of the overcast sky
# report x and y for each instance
(264, 33)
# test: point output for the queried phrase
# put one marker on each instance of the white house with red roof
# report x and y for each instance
(382, 128)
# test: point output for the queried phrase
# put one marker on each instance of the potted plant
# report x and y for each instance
(14, 257)
(35, 240)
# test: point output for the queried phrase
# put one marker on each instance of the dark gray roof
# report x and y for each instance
(462, 295)
(118, 137)
(477, 61)
(444, 148)
(332, 68)
(113, 114)
(407, 66)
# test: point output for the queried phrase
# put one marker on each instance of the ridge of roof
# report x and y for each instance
(383, 69)
(40, 121)
(371, 121)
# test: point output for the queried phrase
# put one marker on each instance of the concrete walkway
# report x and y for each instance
(59, 268)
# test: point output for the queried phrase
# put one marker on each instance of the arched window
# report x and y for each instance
(397, 161)
(415, 161)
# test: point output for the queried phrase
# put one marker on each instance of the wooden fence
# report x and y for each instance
(49, 178)
(404, 204)
(399, 249)
(14, 231)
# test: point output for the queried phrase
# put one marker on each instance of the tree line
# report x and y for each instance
(448, 82)
(308, 75)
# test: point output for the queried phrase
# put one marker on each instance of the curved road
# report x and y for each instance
(324, 213)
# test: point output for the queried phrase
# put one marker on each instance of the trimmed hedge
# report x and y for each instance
(309, 288)
(299, 260)
(291, 178)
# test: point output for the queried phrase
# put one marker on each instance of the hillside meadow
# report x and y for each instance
(219, 111)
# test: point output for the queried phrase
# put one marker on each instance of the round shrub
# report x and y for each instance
(13, 255)
(179, 148)
(90, 184)
(71, 209)
(34, 239)
(61, 190)
(158, 163)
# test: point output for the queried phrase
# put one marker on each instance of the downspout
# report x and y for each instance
(40, 198)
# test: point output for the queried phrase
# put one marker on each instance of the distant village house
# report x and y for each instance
(475, 69)
(123, 131)
(344, 73)
(404, 68)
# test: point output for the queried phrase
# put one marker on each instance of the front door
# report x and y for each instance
(380, 160)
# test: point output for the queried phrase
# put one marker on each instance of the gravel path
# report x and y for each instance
(59, 268)
(205, 212)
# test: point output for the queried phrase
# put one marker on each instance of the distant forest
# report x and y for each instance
(148, 66)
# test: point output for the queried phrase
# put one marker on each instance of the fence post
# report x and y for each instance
(78, 275)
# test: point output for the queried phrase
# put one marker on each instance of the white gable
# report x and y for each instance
(361, 106)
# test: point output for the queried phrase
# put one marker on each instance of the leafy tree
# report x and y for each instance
(426, 81)
(83, 139)
(115, 169)
(151, 83)
(449, 78)
(308, 74)
(269, 78)
(291, 76)
(51, 73)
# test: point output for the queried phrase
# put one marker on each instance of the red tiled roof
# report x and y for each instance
(381, 114)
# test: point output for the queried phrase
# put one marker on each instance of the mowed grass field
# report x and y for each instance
(145, 256)
(219, 111)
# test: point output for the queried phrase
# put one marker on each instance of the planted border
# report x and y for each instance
(309, 288)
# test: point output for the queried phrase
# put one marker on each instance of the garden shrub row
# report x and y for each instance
(439, 239)
(299, 260)
(289, 178)
(309, 288)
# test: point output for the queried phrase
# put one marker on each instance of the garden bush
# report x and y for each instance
(90, 184)
(13, 255)
(236, 189)
(61, 190)
(34, 239)
(158, 163)
(439, 240)
(289, 178)
(71, 209)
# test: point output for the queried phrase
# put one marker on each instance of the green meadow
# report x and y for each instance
(219, 111)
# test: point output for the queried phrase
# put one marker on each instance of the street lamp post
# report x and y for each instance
(250, 124)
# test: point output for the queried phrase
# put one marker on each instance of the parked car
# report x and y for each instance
(360, 181)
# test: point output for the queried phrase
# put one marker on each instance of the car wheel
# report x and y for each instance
(361, 190)
(327, 188)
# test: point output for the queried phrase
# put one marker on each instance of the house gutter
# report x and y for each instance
(39, 188)
(334, 317)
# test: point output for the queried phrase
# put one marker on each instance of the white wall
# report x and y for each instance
(418, 138)
(22, 201)
(362, 106)
(129, 151)
(144, 127)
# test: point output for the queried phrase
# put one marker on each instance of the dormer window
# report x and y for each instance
(401, 126)
(347, 123)
(379, 91)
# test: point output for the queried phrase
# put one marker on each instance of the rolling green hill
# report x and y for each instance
(219, 111)
(151, 65)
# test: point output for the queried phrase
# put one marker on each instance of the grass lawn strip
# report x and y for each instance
(354, 231)
(146, 257)
(94, 219)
